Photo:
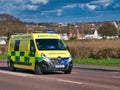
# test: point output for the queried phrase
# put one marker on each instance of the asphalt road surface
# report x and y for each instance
(79, 79)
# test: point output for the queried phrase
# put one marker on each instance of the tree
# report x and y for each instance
(108, 29)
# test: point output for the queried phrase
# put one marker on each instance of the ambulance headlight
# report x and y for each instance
(45, 58)
(70, 59)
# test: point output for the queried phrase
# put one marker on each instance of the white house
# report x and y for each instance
(95, 35)
(2, 42)
(64, 36)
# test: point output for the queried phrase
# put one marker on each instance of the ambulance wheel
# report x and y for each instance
(11, 67)
(68, 71)
(38, 69)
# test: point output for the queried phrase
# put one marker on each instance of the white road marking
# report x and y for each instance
(68, 81)
(115, 72)
(26, 75)
(15, 73)
(115, 77)
(74, 72)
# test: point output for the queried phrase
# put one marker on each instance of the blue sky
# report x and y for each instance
(62, 10)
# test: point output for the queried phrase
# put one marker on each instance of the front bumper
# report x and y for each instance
(55, 67)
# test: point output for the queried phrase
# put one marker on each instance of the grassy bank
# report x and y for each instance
(104, 62)
(90, 61)
(3, 57)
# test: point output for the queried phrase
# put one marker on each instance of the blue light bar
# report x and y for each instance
(50, 31)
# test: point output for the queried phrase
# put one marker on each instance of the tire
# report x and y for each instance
(38, 69)
(11, 67)
(68, 71)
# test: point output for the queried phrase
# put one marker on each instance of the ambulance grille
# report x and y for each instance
(56, 61)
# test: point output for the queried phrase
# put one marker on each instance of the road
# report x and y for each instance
(79, 79)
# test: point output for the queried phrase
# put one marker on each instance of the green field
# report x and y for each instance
(105, 62)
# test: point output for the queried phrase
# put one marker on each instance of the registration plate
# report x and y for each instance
(59, 66)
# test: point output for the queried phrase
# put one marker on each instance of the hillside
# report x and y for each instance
(8, 17)
(10, 24)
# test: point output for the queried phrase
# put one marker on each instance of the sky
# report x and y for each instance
(62, 10)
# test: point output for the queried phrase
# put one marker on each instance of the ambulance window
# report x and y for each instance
(32, 46)
(17, 43)
(50, 44)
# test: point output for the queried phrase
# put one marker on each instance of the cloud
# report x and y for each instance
(70, 6)
(107, 4)
(19, 1)
(39, 1)
(91, 7)
(97, 4)
(46, 12)
(81, 6)
(30, 7)
(59, 12)
(116, 5)
(102, 1)
(88, 6)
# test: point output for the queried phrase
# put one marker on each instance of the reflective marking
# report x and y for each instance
(68, 81)
(15, 73)
(115, 77)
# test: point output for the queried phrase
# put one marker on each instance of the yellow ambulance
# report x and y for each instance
(40, 52)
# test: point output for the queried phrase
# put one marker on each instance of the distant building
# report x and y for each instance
(115, 24)
(63, 24)
(95, 35)
(64, 36)
(3, 40)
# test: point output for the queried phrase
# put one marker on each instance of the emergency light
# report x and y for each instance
(50, 31)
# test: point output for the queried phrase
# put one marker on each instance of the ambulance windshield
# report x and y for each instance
(50, 44)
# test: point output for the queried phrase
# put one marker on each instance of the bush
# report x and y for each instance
(97, 49)
(3, 49)
(87, 52)
(118, 53)
(103, 53)
(80, 52)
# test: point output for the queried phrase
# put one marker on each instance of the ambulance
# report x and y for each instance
(40, 52)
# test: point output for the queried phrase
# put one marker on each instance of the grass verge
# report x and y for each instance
(104, 62)
(89, 61)
(3, 57)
